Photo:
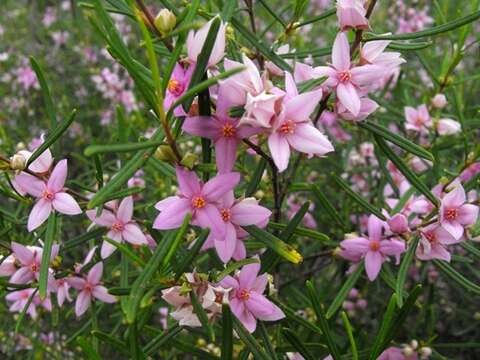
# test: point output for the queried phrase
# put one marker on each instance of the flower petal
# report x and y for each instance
(373, 264)
(188, 182)
(66, 204)
(226, 246)
(279, 150)
(248, 213)
(125, 210)
(225, 154)
(172, 216)
(95, 273)
(348, 96)
(134, 235)
(58, 176)
(22, 253)
(82, 303)
(101, 293)
(308, 139)
(40, 212)
(30, 184)
(341, 52)
(218, 186)
(248, 275)
(204, 126)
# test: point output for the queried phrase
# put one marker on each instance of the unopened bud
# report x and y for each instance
(414, 344)
(439, 101)
(189, 160)
(408, 351)
(165, 21)
(476, 316)
(18, 162)
(398, 223)
(425, 352)
(165, 153)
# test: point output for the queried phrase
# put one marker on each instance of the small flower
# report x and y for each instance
(418, 119)
(90, 287)
(433, 243)
(246, 299)
(351, 14)
(439, 101)
(448, 127)
(195, 41)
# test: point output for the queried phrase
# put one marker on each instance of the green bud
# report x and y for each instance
(165, 21)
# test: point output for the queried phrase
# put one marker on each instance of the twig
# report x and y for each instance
(359, 33)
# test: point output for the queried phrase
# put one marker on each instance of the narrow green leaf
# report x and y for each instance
(258, 44)
(468, 245)
(454, 275)
(46, 254)
(116, 148)
(124, 193)
(357, 198)
(249, 341)
(292, 315)
(322, 321)
(344, 290)
(140, 285)
(53, 137)
(297, 344)
(272, 12)
(227, 333)
(98, 170)
(327, 206)
(351, 339)
(162, 338)
(192, 253)
(398, 140)
(262, 329)
(436, 30)
(83, 238)
(404, 169)
(412, 46)
(404, 266)
(111, 340)
(311, 84)
(301, 231)
(229, 7)
(281, 248)
(256, 178)
(88, 349)
(387, 322)
(403, 201)
(47, 96)
(202, 316)
(123, 175)
(179, 236)
(127, 251)
(320, 17)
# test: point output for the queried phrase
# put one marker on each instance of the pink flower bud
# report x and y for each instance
(448, 127)
(439, 101)
(362, 304)
(398, 223)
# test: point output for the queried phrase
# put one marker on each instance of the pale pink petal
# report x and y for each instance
(263, 309)
(240, 252)
(290, 86)
(341, 52)
(172, 216)
(308, 139)
(226, 246)
(42, 163)
(106, 218)
(58, 176)
(454, 198)
(225, 154)
(107, 249)
(22, 253)
(82, 303)
(467, 214)
(247, 213)
(218, 186)
(95, 273)
(22, 276)
(101, 293)
(76, 282)
(260, 283)
(299, 108)
(40, 212)
(165, 203)
(444, 237)
(279, 150)
(248, 275)
(30, 184)
(188, 182)
(375, 227)
(204, 126)
(125, 210)
(229, 282)
(439, 252)
(367, 74)
(454, 228)
(373, 264)
(410, 114)
(357, 245)
(134, 235)
(372, 49)
(348, 96)
(209, 217)
(66, 204)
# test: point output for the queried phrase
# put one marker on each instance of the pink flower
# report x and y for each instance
(7, 265)
(418, 119)
(455, 213)
(29, 260)
(293, 128)
(346, 79)
(20, 299)
(63, 291)
(236, 214)
(398, 223)
(88, 287)
(448, 127)
(374, 250)
(373, 52)
(177, 85)
(196, 40)
(394, 353)
(51, 195)
(433, 242)
(246, 300)
(201, 200)
(224, 131)
(122, 227)
(351, 14)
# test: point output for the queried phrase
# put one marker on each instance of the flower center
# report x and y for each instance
(175, 87)
(88, 287)
(244, 295)
(374, 245)
(430, 236)
(344, 75)
(451, 214)
(118, 226)
(48, 195)
(288, 127)
(226, 214)
(218, 297)
(228, 130)
(34, 267)
(419, 121)
(198, 202)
